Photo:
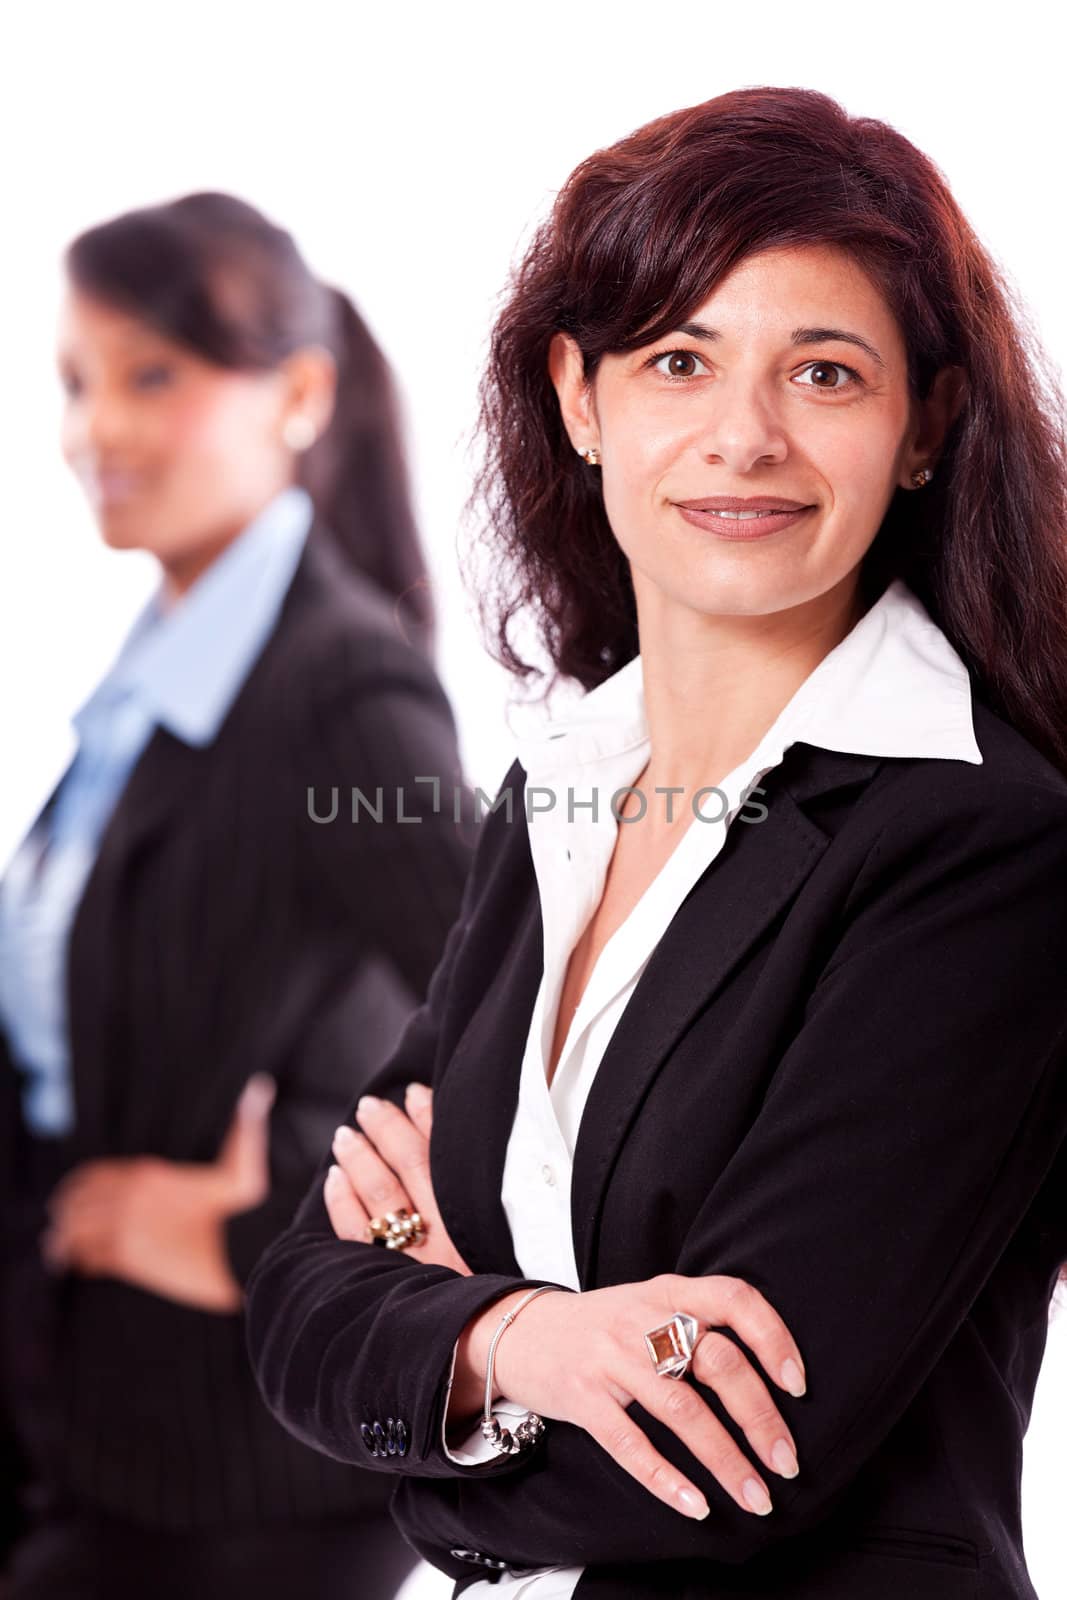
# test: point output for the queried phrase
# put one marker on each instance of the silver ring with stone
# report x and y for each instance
(671, 1345)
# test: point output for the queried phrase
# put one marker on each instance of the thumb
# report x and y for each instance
(244, 1160)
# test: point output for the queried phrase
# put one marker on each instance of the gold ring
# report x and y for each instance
(397, 1230)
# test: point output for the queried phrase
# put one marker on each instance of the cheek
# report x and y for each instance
(647, 441)
(641, 452)
(200, 428)
(220, 446)
(855, 457)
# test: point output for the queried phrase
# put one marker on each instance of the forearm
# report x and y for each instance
(467, 1394)
(343, 1335)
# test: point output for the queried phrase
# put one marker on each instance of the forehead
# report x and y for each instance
(773, 290)
(84, 321)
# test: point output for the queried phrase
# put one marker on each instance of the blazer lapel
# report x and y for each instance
(758, 871)
(161, 784)
(161, 788)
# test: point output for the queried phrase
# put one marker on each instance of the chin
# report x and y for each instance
(732, 593)
(118, 538)
(119, 528)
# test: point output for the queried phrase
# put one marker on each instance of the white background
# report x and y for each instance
(410, 148)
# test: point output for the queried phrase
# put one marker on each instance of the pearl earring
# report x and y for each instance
(299, 432)
(591, 456)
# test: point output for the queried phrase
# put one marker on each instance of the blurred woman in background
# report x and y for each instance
(203, 951)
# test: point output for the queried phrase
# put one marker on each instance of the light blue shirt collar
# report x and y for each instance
(185, 665)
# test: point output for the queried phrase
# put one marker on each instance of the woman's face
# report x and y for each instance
(789, 381)
(174, 453)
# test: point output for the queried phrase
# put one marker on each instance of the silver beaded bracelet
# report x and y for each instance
(508, 1441)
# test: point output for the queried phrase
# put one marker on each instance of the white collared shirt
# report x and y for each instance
(894, 686)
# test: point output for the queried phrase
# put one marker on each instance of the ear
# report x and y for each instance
(575, 394)
(310, 385)
(936, 414)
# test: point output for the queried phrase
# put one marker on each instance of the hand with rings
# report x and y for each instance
(380, 1191)
(583, 1358)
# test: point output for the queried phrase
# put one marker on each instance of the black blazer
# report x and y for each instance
(224, 932)
(842, 1077)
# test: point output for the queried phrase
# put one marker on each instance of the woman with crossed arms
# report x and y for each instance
(727, 1265)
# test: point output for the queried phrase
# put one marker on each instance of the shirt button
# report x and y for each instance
(548, 1175)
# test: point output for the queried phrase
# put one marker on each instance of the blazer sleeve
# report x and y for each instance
(392, 888)
(344, 1335)
(906, 1132)
(332, 1064)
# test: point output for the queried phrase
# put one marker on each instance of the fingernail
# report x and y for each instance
(344, 1138)
(785, 1462)
(757, 1496)
(418, 1092)
(334, 1176)
(693, 1504)
(367, 1103)
(793, 1378)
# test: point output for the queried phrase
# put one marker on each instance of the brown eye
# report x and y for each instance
(678, 364)
(822, 375)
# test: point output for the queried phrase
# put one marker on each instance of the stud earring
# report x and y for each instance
(921, 477)
(591, 456)
(299, 432)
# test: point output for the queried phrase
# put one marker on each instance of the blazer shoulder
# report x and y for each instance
(1012, 769)
(339, 627)
(1008, 755)
(963, 816)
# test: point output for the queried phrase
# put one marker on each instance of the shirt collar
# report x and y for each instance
(894, 686)
(184, 664)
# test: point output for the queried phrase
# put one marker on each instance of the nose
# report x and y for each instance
(107, 423)
(740, 426)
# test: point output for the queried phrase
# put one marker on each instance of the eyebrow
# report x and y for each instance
(799, 336)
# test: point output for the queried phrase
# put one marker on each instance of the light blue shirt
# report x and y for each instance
(180, 668)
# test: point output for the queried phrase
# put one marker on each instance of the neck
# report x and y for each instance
(714, 684)
(181, 572)
(182, 568)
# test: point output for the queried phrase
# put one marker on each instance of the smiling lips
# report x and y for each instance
(110, 485)
(734, 517)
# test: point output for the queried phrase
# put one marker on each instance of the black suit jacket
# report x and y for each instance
(224, 932)
(842, 1077)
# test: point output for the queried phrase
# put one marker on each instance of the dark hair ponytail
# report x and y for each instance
(357, 471)
(213, 273)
